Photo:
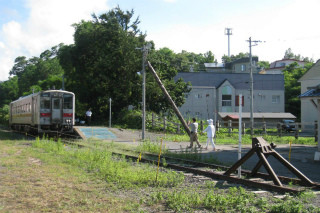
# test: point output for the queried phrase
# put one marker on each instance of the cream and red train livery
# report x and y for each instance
(46, 111)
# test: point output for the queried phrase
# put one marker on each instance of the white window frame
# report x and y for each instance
(275, 99)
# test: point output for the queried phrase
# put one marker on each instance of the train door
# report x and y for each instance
(56, 111)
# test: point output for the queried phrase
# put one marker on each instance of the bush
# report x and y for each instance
(4, 114)
(130, 119)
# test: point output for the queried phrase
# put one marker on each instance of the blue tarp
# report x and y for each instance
(97, 132)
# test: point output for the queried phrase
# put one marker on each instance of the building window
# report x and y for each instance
(237, 100)
(243, 67)
(226, 100)
(276, 99)
(198, 96)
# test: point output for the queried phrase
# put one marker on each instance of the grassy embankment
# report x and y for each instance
(43, 175)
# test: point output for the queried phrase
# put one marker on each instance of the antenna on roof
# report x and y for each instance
(228, 32)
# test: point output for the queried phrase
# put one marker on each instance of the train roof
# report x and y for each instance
(44, 91)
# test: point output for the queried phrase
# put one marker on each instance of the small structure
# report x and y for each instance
(258, 117)
(277, 66)
(313, 95)
(263, 149)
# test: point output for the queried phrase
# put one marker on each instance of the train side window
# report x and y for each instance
(45, 104)
(67, 101)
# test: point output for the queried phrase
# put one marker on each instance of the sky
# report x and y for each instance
(29, 27)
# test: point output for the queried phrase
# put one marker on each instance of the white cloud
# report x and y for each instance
(48, 24)
(292, 26)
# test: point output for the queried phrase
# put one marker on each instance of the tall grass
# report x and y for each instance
(235, 199)
(124, 173)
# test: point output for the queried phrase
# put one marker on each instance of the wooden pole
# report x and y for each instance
(175, 108)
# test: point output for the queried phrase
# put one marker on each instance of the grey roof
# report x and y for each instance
(238, 80)
(274, 115)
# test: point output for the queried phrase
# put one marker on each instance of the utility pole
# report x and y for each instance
(144, 50)
(228, 32)
(251, 84)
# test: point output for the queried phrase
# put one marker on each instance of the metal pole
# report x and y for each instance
(240, 131)
(110, 112)
(144, 52)
(228, 32)
(63, 82)
(251, 90)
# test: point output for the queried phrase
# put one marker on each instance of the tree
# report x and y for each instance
(9, 91)
(264, 64)
(292, 73)
(167, 64)
(38, 71)
(103, 62)
(227, 59)
(290, 55)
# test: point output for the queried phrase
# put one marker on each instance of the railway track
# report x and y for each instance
(214, 171)
(261, 180)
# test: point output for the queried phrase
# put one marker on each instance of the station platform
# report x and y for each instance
(86, 132)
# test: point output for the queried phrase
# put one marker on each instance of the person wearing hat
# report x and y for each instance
(211, 130)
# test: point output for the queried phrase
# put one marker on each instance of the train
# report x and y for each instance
(43, 112)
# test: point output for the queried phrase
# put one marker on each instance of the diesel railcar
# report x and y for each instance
(43, 112)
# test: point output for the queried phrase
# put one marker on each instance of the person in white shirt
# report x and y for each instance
(194, 133)
(211, 130)
(88, 116)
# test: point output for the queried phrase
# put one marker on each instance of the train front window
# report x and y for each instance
(56, 104)
(45, 104)
(67, 101)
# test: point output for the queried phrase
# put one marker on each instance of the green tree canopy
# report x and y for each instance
(292, 73)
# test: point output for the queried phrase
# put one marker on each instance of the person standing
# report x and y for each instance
(194, 133)
(88, 116)
(211, 130)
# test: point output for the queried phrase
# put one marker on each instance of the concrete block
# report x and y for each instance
(317, 156)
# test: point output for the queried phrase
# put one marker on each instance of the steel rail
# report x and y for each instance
(210, 174)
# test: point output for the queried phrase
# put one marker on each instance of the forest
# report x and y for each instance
(104, 62)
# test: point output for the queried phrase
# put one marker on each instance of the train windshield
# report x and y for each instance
(45, 104)
(67, 101)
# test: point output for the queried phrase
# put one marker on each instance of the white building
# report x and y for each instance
(310, 80)
(219, 92)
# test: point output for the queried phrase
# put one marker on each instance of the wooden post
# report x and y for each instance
(152, 121)
(178, 128)
(229, 127)
(217, 125)
(296, 133)
(279, 129)
(164, 124)
(316, 131)
(175, 108)
(264, 128)
(243, 128)
(201, 126)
